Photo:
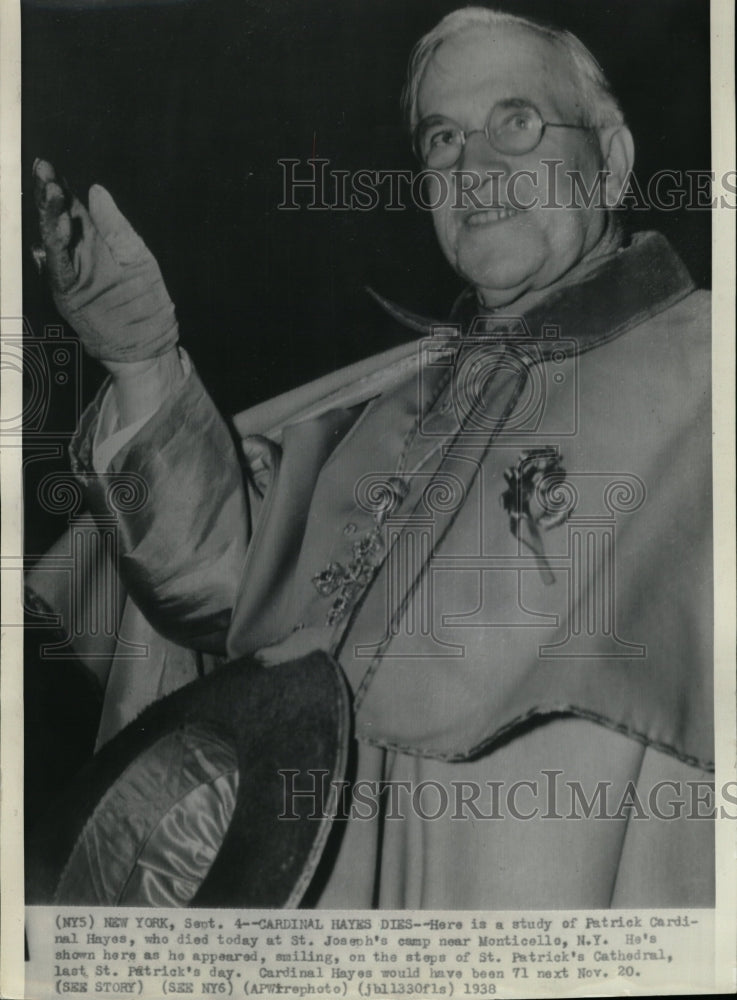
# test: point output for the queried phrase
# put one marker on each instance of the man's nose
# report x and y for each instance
(478, 152)
(480, 160)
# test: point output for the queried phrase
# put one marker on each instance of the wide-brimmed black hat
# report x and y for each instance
(197, 802)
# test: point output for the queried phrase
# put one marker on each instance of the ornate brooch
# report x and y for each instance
(534, 501)
(368, 554)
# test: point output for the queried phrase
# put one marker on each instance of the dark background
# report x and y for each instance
(182, 109)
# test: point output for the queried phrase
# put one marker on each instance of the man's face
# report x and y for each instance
(506, 255)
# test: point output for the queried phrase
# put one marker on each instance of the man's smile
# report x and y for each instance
(487, 216)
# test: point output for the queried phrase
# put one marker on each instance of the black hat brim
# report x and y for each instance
(288, 726)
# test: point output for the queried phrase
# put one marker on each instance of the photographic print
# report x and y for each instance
(369, 490)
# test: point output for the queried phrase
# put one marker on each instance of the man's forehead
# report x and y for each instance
(483, 62)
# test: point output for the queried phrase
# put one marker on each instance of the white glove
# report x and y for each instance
(104, 279)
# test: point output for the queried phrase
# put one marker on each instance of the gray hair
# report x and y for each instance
(599, 105)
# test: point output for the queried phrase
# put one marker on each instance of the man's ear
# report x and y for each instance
(618, 156)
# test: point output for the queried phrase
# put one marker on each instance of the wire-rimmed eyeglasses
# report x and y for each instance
(513, 127)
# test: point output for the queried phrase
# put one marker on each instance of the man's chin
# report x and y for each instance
(500, 278)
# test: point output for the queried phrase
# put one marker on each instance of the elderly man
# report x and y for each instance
(500, 531)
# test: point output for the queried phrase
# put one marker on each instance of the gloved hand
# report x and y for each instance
(104, 279)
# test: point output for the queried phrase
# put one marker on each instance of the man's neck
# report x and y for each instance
(611, 241)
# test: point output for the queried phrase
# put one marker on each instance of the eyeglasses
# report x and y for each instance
(513, 127)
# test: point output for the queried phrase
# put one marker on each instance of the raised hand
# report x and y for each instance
(107, 285)
(104, 279)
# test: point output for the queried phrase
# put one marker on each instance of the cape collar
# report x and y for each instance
(625, 288)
